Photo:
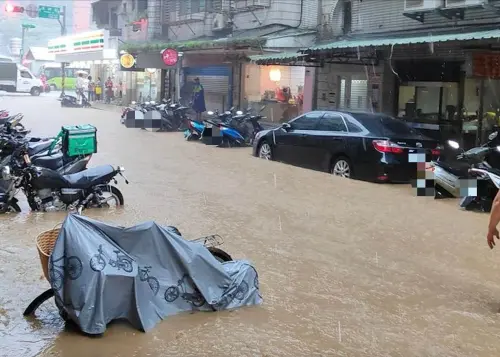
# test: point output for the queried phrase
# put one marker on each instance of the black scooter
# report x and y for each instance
(49, 190)
(70, 101)
(173, 116)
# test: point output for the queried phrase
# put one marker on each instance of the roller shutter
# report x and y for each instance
(216, 82)
(359, 94)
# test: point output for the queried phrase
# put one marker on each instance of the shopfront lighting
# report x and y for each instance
(275, 75)
(151, 70)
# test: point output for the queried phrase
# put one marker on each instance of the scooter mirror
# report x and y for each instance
(210, 112)
(239, 112)
(453, 144)
(493, 135)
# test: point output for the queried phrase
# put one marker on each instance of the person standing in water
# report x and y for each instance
(198, 99)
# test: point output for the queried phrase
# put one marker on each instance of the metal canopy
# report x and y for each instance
(380, 42)
(293, 59)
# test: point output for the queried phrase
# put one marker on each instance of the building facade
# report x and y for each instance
(415, 59)
(202, 31)
(81, 19)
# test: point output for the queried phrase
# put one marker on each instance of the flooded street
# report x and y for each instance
(346, 268)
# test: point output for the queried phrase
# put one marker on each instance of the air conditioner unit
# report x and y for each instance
(464, 3)
(219, 22)
(422, 5)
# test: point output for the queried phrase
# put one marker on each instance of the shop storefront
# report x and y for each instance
(93, 50)
(428, 96)
(345, 86)
(279, 88)
(451, 99)
(423, 79)
(481, 107)
(149, 76)
(216, 81)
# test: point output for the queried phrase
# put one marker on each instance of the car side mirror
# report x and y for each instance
(286, 126)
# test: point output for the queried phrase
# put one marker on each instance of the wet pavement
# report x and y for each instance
(346, 268)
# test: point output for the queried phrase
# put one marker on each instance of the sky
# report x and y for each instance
(10, 24)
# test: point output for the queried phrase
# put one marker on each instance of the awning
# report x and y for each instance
(293, 59)
(429, 38)
(276, 58)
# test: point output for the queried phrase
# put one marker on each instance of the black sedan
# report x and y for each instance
(367, 146)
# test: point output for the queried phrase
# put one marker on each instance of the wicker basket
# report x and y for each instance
(45, 243)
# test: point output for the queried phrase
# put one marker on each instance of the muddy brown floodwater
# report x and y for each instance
(347, 268)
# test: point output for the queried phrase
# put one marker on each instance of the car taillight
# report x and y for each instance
(437, 150)
(387, 146)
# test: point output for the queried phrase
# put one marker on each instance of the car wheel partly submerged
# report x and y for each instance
(341, 167)
(265, 151)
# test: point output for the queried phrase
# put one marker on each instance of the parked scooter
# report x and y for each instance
(241, 129)
(195, 128)
(173, 115)
(450, 179)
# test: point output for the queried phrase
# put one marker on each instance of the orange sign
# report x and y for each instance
(127, 60)
(486, 65)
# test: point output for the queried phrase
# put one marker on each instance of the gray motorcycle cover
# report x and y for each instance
(100, 272)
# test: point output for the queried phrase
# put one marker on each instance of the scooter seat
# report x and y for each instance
(39, 146)
(91, 177)
(459, 169)
(53, 162)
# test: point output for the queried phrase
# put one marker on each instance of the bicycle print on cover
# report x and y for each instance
(143, 274)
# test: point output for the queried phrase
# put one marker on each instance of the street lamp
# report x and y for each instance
(25, 27)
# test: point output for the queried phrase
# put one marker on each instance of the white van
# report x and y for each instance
(17, 78)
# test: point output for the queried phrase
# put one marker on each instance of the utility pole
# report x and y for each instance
(24, 28)
(62, 22)
(43, 12)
